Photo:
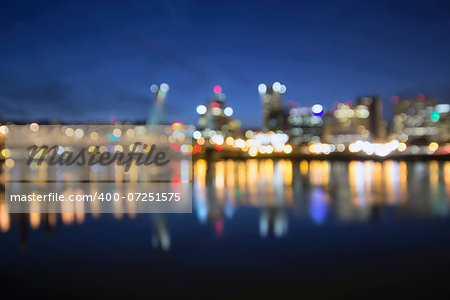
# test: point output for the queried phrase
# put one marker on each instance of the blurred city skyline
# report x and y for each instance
(83, 61)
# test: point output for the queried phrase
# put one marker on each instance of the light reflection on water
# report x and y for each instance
(321, 191)
(348, 191)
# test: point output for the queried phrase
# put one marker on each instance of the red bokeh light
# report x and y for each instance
(217, 89)
(175, 147)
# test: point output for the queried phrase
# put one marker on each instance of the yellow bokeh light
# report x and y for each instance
(433, 146)
(253, 151)
(287, 149)
(6, 153)
(229, 140)
(34, 127)
(401, 147)
(92, 149)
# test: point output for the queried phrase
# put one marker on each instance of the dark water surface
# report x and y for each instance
(259, 229)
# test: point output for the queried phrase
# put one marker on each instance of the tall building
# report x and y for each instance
(376, 124)
(349, 123)
(215, 116)
(420, 121)
(441, 116)
(274, 115)
(157, 115)
(305, 124)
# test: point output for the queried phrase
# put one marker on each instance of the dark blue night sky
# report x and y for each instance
(79, 61)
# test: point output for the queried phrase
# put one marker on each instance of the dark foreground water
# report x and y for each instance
(259, 229)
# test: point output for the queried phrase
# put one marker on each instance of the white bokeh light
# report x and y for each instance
(276, 86)
(154, 88)
(164, 87)
(228, 111)
(262, 88)
(201, 109)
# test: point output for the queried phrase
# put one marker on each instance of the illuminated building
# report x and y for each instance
(441, 116)
(349, 123)
(215, 116)
(156, 116)
(420, 121)
(376, 124)
(306, 124)
(274, 116)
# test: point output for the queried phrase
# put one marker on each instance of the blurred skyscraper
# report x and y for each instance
(157, 115)
(215, 116)
(349, 123)
(376, 124)
(306, 124)
(274, 116)
(420, 121)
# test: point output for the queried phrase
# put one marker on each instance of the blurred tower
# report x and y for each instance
(349, 123)
(274, 117)
(417, 121)
(216, 116)
(376, 124)
(156, 116)
(306, 124)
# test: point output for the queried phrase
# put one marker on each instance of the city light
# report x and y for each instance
(240, 143)
(34, 127)
(79, 132)
(287, 149)
(355, 128)
(443, 108)
(217, 139)
(276, 87)
(228, 111)
(401, 147)
(154, 88)
(217, 89)
(197, 134)
(435, 115)
(201, 109)
(164, 87)
(69, 132)
(317, 110)
(262, 88)
(321, 148)
(6, 153)
(3, 129)
(379, 149)
(433, 146)
(177, 126)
